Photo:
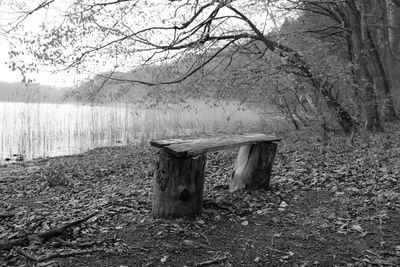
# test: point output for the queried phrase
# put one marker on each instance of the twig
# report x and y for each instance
(208, 241)
(217, 205)
(140, 248)
(75, 245)
(62, 229)
(210, 262)
(26, 255)
(373, 253)
(208, 230)
(380, 226)
(49, 263)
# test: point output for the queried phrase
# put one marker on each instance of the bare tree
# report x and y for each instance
(205, 30)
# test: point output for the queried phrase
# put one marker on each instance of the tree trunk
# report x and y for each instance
(253, 167)
(344, 118)
(395, 52)
(178, 186)
(359, 35)
(354, 82)
(373, 122)
(377, 43)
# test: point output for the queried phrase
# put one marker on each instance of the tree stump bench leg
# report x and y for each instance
(178, 186)
(253, 167)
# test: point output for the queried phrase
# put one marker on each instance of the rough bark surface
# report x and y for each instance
(378, 43)
(395, 53)
(253, 167)
(362, 56)
(178, 186)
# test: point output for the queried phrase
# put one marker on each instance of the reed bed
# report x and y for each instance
(41, 129)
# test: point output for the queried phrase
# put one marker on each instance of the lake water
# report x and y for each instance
(40, 129)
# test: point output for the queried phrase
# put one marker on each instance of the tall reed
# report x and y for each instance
(35, 130)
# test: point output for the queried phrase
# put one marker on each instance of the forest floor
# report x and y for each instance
(331, 204)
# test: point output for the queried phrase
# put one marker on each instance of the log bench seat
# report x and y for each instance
(180, 170)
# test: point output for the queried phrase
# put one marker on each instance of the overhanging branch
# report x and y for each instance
(179, 80)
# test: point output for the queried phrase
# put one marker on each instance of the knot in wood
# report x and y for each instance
(184, 193)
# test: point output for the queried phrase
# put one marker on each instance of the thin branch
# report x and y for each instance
(22, 18)
(111, 3)
(75, 245)
(179, 80)
(211, 262)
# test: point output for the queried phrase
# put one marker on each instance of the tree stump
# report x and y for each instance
(178, 186)
(253, 167)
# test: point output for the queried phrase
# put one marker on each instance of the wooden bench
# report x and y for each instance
(179, 175)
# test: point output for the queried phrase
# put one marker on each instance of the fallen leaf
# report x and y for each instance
(164, 259)
(283, 204)
(357, 227)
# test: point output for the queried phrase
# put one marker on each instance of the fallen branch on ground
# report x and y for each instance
(25, 240)
(210, 202)
(75, 245)
(140, 248)
(56, 255)
(210, 262)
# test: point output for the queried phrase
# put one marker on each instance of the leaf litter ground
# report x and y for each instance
(331, 204)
